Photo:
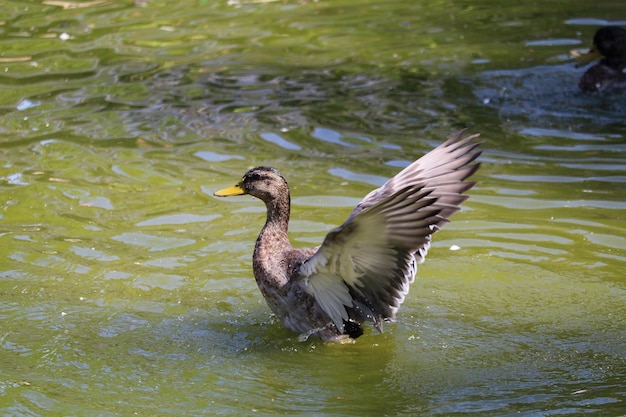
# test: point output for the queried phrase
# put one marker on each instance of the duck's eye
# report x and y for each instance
(254, 177)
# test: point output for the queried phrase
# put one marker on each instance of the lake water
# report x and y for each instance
(126, 287)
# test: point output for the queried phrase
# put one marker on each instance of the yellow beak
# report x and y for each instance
(230, 191)
(592, 55)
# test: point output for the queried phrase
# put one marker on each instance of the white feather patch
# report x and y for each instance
(332, 295)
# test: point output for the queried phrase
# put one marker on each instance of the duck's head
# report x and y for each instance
(264, 183)
(609, 43)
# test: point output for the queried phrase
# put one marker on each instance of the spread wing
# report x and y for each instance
(367, 264)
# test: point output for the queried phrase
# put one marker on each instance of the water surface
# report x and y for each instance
(126, 288)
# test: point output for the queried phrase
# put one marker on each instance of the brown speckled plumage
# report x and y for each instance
(363, 269)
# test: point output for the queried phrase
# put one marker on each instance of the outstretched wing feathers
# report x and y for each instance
(332, 295)
(367, 264)
(449, 163)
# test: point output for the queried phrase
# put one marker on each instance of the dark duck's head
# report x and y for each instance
(609, 44)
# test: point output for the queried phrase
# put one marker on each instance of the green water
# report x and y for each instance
(126, 288)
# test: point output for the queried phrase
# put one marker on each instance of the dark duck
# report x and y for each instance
(362, 271)
(609, 44)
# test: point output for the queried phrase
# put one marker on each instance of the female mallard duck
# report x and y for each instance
(609, 43)
(363, 269)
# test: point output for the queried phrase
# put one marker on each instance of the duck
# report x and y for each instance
(362, 270)
(609, 43)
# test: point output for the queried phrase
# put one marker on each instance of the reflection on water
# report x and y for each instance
(126, 288)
